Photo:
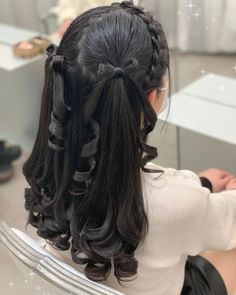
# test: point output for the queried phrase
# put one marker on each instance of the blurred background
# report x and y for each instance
(199, 131)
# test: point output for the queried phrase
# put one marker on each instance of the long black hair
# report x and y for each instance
(84, 170)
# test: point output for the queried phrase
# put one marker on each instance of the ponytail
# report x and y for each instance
(116, 192)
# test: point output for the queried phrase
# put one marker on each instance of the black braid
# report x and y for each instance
(160, 57)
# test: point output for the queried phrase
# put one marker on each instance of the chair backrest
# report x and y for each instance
(47, 266)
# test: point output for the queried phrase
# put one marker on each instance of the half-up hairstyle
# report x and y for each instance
(85, 189)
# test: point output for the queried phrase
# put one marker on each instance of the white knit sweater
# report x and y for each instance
(184, 219)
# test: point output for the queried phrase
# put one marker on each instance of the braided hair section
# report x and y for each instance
(160, 58)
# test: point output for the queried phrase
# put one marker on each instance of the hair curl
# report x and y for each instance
(84, 169)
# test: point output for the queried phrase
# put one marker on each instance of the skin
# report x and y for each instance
(64, 26)
(62, 29)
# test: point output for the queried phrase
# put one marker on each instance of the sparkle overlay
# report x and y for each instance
(11, 284)
(203, 72)
(190, 5)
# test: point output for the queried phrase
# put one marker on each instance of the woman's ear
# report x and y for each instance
(152, 97)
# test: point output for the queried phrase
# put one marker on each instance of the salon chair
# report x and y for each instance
(28, 253)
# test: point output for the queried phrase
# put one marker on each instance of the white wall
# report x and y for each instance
(25, 13)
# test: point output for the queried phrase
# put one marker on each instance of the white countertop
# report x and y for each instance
(207, 106)
(10, 62)
(10, 35)
(214, 88)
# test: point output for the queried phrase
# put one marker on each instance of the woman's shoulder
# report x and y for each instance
(173, 196)
(172, 173)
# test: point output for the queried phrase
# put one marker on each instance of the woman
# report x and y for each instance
(128, 222)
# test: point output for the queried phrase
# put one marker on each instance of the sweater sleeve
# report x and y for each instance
(217, 227)
(200, 220)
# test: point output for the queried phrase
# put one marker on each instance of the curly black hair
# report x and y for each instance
(85, 189)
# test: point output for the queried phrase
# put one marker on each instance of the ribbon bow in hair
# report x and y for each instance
(57, 61)
(108, 70)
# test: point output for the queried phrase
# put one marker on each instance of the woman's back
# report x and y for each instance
(184, 219)
(169, 202)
